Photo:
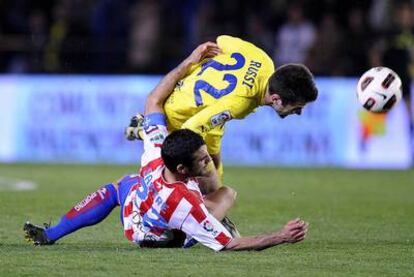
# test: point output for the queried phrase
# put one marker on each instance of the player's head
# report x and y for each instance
(290, 88)
(185, 152)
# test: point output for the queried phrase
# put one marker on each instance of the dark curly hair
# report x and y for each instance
(179, 148)
(294, 84)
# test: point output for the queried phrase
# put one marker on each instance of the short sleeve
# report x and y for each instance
(208, 231)
(192, 217)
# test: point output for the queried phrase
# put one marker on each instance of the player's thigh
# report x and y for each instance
(213, 140)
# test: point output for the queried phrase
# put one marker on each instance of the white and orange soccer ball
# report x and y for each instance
(379, 89)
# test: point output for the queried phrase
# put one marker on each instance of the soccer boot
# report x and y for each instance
(231, 227)
(135, 129)
(36, 234)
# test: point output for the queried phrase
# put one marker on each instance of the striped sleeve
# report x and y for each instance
(203, 227)
(192, 217)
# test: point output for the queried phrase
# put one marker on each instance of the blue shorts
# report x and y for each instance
(124, 186)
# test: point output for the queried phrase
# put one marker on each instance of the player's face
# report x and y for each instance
(285, 110)
(202, 164)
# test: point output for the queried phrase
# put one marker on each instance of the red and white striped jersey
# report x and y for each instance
(154, 207)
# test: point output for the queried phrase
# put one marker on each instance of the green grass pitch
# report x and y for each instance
(361, 224)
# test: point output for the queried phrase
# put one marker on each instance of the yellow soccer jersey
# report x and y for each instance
(231, 85)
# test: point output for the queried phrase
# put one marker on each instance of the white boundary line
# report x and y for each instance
(11, 184)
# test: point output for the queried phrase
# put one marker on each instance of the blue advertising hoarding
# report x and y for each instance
(71, 118)
(81, 119)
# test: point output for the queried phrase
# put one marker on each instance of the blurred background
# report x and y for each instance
(151, 36)
(84, 67)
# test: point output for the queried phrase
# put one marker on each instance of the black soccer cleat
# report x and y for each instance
(134, 131)
(231, 227)
(36, 234)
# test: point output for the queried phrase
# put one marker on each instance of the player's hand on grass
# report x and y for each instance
(134, 131)
(294, 231)
(203, 51)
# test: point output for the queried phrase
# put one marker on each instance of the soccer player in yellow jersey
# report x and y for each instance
(233, 83)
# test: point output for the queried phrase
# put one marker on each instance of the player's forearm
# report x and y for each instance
(160, 93)
(258, 242)
(208, 184)
(294, 231)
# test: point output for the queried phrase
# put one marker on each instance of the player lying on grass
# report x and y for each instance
(162, 206)
(203, 95)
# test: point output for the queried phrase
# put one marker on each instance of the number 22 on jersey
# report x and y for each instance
(229, 78)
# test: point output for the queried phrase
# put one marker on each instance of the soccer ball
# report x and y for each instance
(379, 89)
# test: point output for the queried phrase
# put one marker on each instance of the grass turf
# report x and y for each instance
(361, 224)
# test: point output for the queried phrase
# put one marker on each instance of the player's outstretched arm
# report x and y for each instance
(160, 93)
(155, 100)
(294, 231)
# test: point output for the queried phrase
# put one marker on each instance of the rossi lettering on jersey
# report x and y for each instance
(220, 118)
(251, 74)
